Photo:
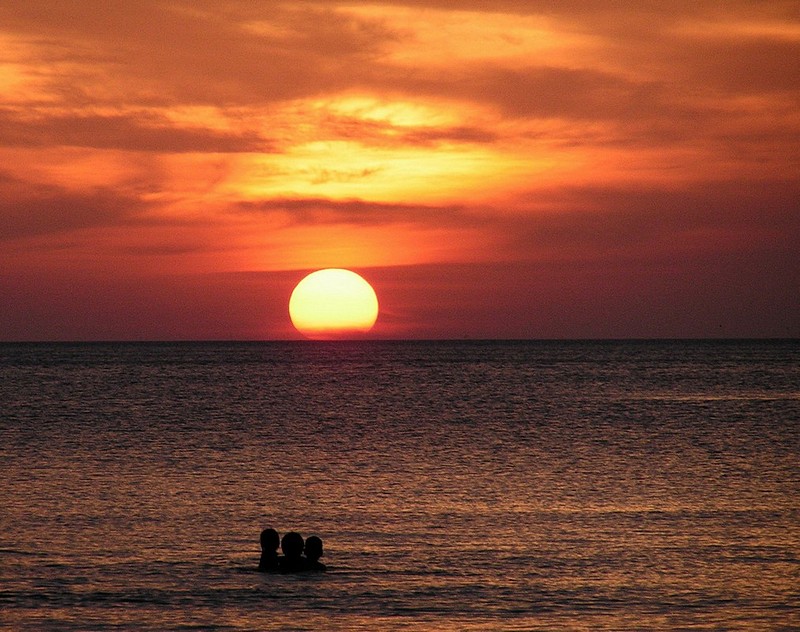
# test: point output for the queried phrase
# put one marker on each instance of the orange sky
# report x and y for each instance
(170, 170)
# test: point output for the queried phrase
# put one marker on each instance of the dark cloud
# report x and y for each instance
(700, 220)
(548, 92)
(744, 66)
(317, 211)
(128, 133)
(382, 133)
(458, 134)
(28, 210)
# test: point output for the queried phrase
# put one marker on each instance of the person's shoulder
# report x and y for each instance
(316, 566)
(268, 563)
(290, 565)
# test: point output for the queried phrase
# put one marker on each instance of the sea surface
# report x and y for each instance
(457, 485)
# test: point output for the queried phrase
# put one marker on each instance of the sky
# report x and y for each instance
(495, 169)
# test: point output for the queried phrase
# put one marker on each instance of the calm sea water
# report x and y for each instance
(457, 485)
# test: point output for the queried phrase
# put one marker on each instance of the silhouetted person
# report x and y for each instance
(292, 547)
(313, 553)
(269, 551)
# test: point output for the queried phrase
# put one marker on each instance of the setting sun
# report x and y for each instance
(332, 303)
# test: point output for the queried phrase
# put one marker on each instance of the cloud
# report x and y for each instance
(29, 210)
(551, 92)
(630, 224)
(146, 132)
(159, 53)
(390, 134)
(747, 66)
(320, 211)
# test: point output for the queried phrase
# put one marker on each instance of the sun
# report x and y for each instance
(333, 303)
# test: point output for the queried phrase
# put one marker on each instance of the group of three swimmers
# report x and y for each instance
(293, 547)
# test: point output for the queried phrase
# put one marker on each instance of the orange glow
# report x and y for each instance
(341, 169)
(604, 139)
(333, 303)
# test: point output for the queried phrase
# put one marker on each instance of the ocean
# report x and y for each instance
(457, 485)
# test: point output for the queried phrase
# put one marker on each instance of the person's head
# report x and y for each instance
(270, 540)
(292, 544)
(313, 548)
